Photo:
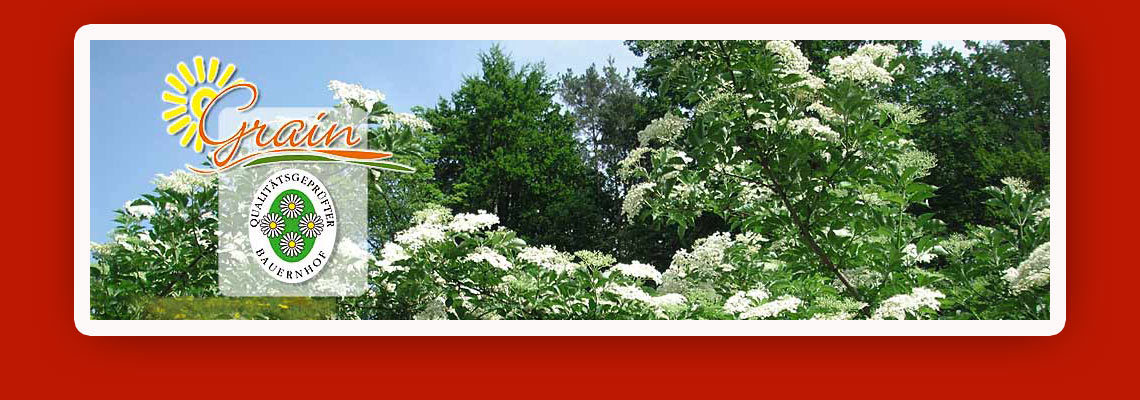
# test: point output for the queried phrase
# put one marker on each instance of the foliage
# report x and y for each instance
(1002, 272)
(821, 164)
(164, 245)
(508, 148)
(610, 110)
(986, 117)
(794, 187)
(456, 267)
(240, 308)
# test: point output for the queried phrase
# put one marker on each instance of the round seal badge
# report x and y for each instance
(292, 225)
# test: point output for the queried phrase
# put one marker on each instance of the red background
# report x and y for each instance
(1095, 353)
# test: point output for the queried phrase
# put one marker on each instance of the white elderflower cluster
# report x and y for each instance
(432, 214)
(901, 113)
(639, 270)
(548, 258)
(825, 113)
(347, 92)
(1031, 273)
(742, 301)
(140, 211)
(861, 66)
(181, 181)
(876, 51)
(1017, 185)
(629, 292)
(391, 254)
(466, 222)
(899, 305)
(793, 62)
(628, 166)
(490, 256)
(594, 259)
(957, 244)
(911, 255)
(750, 304)
(921, 161)
(663, 130)
(388, 121)
(420, 235)
(773, 308)
(707, 255)
(635, 199)
(813, 127)
(722, 97)
(664, 305)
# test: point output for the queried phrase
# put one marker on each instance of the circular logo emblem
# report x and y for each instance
(292, 225)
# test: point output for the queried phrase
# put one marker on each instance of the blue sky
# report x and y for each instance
(129, 144)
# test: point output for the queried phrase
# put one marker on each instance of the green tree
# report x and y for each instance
(508, 148)
(987, 117)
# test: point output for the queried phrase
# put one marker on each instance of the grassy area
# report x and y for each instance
(240, 308)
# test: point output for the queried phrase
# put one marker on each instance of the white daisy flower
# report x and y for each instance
(292, 205)
(292, 244)
(312, 225)
(272, 225)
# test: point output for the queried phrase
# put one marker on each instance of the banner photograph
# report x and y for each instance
(750, 180)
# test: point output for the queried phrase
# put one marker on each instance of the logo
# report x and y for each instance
(326, 137)
(192, 92)
(292, 225)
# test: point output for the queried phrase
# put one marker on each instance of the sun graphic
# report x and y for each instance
(193, 90)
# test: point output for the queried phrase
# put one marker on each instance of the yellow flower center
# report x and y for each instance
(310, 225)
(292, 244)
(292, 206)
(272, 225)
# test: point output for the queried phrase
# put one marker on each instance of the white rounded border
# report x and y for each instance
(324, 243)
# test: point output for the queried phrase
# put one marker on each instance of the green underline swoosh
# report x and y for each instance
(384, 165)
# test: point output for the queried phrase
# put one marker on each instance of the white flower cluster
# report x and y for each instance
(750, 304)
(466, 222)
(813, 127)
(793, 62)
(663, 130)
(1031, 273)
(742, 301)
(420, 235)
(390, 254)
(635, 199)
(861, 66)
(876, 51)
(1017, 185)
(432, 214)
(921, 161)
(388, 121)
(899, 305)
(490, 256)
(629, 165)
(707, 255)
(549, 258)
(825, 113)
(141, 211)
(352, 92)
(901, 113)
(663, 305)
(723, 97)
(182, 182)
(639, 270)
(911, 255)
